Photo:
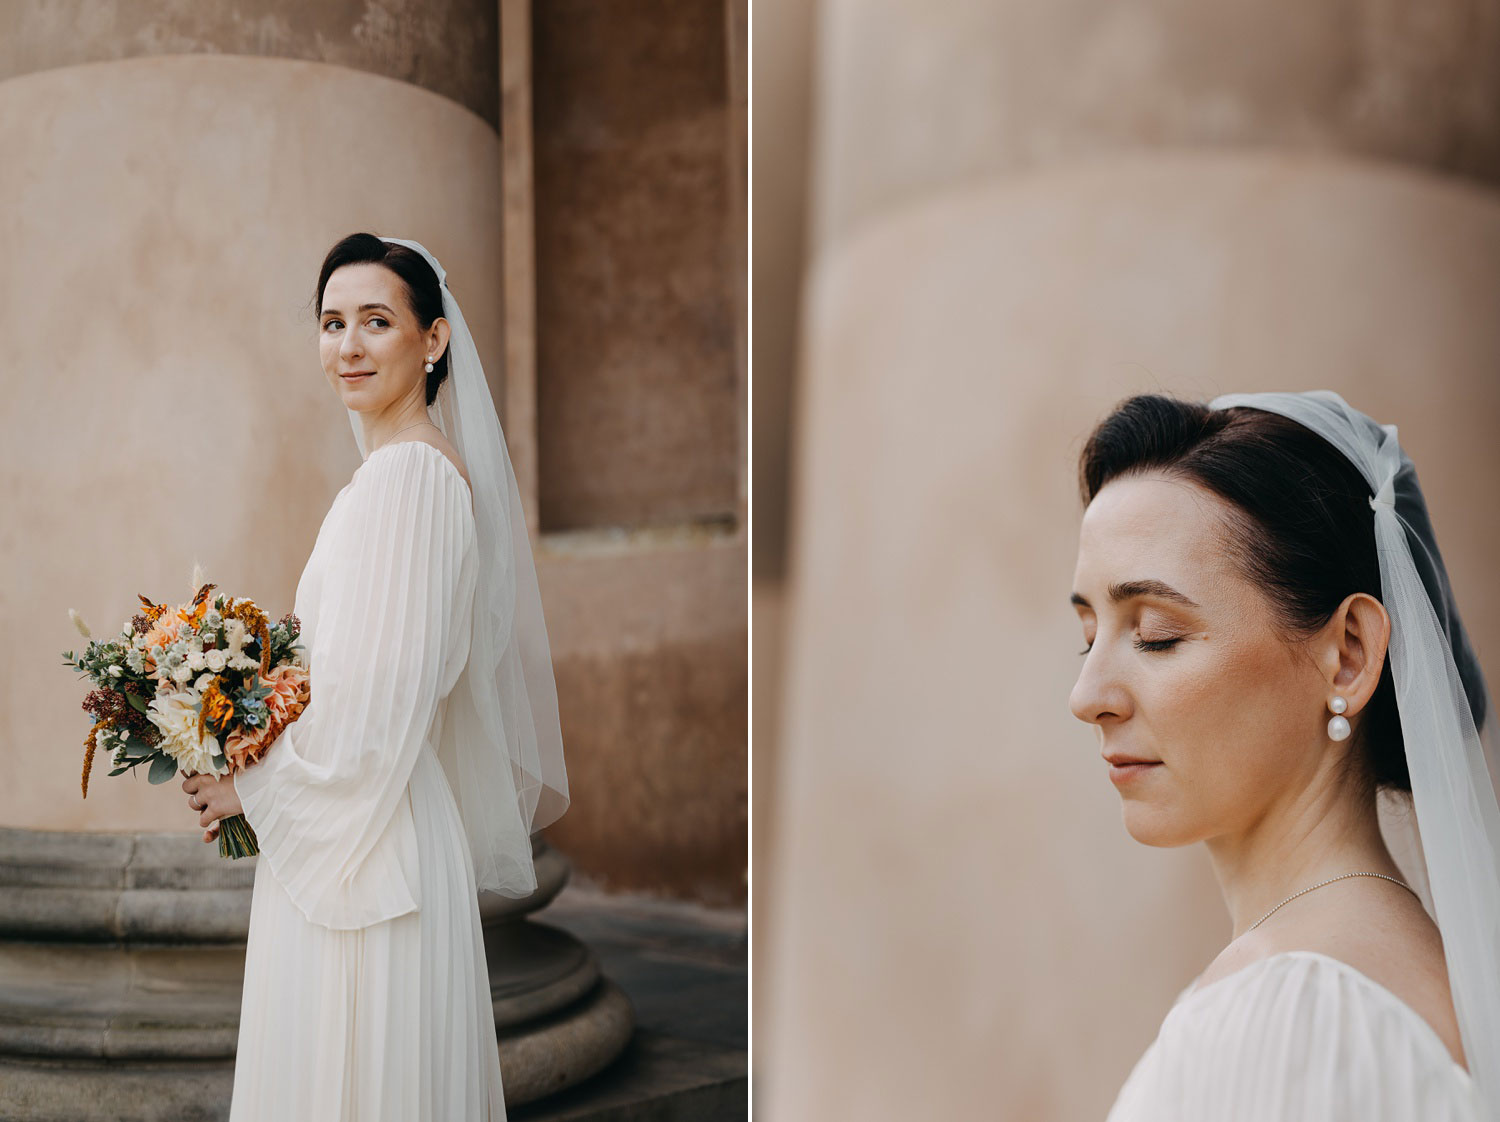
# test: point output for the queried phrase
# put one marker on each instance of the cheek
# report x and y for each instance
(1260, 703)
(383, 347)
(1231, 726)
(1191, 689)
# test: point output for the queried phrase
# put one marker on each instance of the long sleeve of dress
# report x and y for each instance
(1296, 1037)
(327, 800)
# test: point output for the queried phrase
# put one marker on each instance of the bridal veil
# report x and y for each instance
(1447, 723)
(500, 741)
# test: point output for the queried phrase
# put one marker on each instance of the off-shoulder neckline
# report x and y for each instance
(440, 454)
(1190, 994)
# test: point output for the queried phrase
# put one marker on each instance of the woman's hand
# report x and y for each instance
(213, 798)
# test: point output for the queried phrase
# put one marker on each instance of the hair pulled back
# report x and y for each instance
(423, 291)
(1300, 526)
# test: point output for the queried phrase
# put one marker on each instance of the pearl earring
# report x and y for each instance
(1338, 725)
(429, 364)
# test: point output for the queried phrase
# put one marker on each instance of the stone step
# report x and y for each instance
(122, 960)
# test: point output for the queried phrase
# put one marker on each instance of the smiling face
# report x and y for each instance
(1187, 668)
(367, 327)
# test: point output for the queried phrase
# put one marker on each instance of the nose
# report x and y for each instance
(349, 345)
(1098, 695)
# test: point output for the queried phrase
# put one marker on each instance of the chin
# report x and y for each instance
(1152, 824)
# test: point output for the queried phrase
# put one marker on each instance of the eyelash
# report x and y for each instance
(1144, 645)
(382, 319)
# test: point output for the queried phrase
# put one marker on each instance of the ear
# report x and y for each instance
(437, 337)
(1352, 649)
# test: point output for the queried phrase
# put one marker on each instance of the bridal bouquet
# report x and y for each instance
(205, 687)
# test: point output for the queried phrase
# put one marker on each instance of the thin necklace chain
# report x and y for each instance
(398, 432)
(1305, 891)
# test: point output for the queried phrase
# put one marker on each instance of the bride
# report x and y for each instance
(1271, 641)
(430, 749)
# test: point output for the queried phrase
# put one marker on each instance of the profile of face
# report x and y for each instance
(372, 347)
(1210, 715)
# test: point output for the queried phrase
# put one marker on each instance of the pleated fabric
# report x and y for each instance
(1296, 1037)
(366, 993)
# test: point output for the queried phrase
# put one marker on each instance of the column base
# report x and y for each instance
(122, 958)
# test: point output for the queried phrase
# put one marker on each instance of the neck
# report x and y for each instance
(1326, 829)
(379, 427)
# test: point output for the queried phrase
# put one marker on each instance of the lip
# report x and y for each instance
(1125, 769)
(357, 375)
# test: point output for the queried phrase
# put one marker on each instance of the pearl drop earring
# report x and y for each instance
(429, 364)
(1338, 725)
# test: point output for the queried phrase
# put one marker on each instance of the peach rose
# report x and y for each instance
(289, 695)
(164, 631)
(243, 749)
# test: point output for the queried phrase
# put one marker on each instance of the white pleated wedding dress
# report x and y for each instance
(366, 993)
(1296, 1037)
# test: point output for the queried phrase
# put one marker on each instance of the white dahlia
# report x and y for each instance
(173, 714)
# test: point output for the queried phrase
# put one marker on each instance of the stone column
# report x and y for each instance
(165, 218)
(1022, 213)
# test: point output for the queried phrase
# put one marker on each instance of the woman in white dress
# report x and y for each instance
(1238, 673)
(429, 750)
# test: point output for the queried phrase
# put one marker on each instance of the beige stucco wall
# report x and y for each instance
(952, 894)
(915, 98)
(782, 32)
(448, 46)
(640, 403)
(637, 312)
(1021, 214)
(164, 220)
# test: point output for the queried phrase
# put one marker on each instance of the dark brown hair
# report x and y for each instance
(1300, 526)
(423, 291)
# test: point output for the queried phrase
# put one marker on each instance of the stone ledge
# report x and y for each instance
(163, 887)
(556, 1052)
(656, 1079)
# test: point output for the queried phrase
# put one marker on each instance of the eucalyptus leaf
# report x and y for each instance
(163, 768)
(136, 702)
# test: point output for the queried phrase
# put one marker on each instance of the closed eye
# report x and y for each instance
(1156, 644)
(1144, 645)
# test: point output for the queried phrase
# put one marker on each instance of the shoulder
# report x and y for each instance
(399, 479)
(1295, 1036)
(437, 440)
(1401, 956)
(404, 464)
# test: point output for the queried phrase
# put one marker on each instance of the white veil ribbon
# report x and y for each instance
(500, 741)
(1452, 751)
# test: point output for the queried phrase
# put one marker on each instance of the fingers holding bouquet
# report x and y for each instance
(213, 797)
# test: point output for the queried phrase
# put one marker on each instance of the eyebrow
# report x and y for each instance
(1132, 588)
(362, 308)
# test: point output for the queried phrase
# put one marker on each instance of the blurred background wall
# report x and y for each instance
(172, 177)
(979, 225)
